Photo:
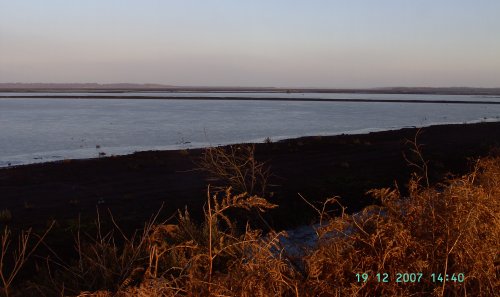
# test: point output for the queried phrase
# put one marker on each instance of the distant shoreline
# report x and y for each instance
(254, 99)
(124, 88)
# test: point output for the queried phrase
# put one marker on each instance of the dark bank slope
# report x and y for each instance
(135, 186)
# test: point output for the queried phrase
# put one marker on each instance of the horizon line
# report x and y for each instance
(153, 85)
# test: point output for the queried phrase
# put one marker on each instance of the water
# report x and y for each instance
(41, 130)
(266, 95)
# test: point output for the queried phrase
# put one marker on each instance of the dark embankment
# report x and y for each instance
(135, 186)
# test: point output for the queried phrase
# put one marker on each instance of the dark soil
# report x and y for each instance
(133, 187)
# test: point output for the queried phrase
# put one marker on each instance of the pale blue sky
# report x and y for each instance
(313, 43)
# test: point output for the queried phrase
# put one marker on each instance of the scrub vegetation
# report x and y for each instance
(450, 228)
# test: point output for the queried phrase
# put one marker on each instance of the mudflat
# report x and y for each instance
(135, 186)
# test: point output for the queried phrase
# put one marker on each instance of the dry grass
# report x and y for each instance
(105, 261)
(176, 259)
(10, 268)
(235, 166)
(450, 228)
(212, 259)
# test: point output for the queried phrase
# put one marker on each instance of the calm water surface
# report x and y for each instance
(41, 130)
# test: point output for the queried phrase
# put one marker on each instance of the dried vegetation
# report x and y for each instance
(452, 227)
(235, 166)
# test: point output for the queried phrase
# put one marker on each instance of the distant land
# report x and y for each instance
(132, 87)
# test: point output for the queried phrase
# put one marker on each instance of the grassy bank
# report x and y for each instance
(437, 239)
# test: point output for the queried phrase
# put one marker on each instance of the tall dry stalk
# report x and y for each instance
(20, 255)
(211, 260)
(103, 260)
(235, 166)
(418, 162)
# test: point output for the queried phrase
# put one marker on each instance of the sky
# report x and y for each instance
(280, 43)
